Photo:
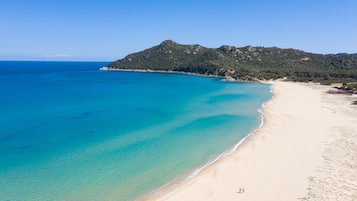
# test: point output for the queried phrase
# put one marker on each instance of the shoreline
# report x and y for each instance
(224, 78)
(276, 161)
(157, 71)
(181, 180)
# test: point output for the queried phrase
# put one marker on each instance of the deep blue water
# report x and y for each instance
(71, 132)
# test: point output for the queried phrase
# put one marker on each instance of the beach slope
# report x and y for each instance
(306, 150)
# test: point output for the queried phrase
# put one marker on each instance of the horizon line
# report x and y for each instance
(19, 60)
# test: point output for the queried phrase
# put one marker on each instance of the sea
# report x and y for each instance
(69, 131)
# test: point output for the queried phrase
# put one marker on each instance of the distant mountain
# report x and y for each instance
(245, 63)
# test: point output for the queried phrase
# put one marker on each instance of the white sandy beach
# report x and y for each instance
(306, 150)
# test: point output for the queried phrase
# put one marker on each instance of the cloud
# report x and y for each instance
(57, 56)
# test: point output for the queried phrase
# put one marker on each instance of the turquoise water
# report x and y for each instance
(71, 132)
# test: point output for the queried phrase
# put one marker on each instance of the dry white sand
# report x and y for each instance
(306, 150)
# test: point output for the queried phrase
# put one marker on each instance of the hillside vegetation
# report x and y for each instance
(245, 63)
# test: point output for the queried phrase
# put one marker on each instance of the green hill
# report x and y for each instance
(245, 63)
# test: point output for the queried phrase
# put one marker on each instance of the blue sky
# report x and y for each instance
(109, 30)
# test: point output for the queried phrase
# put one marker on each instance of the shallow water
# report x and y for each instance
(71, 132)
